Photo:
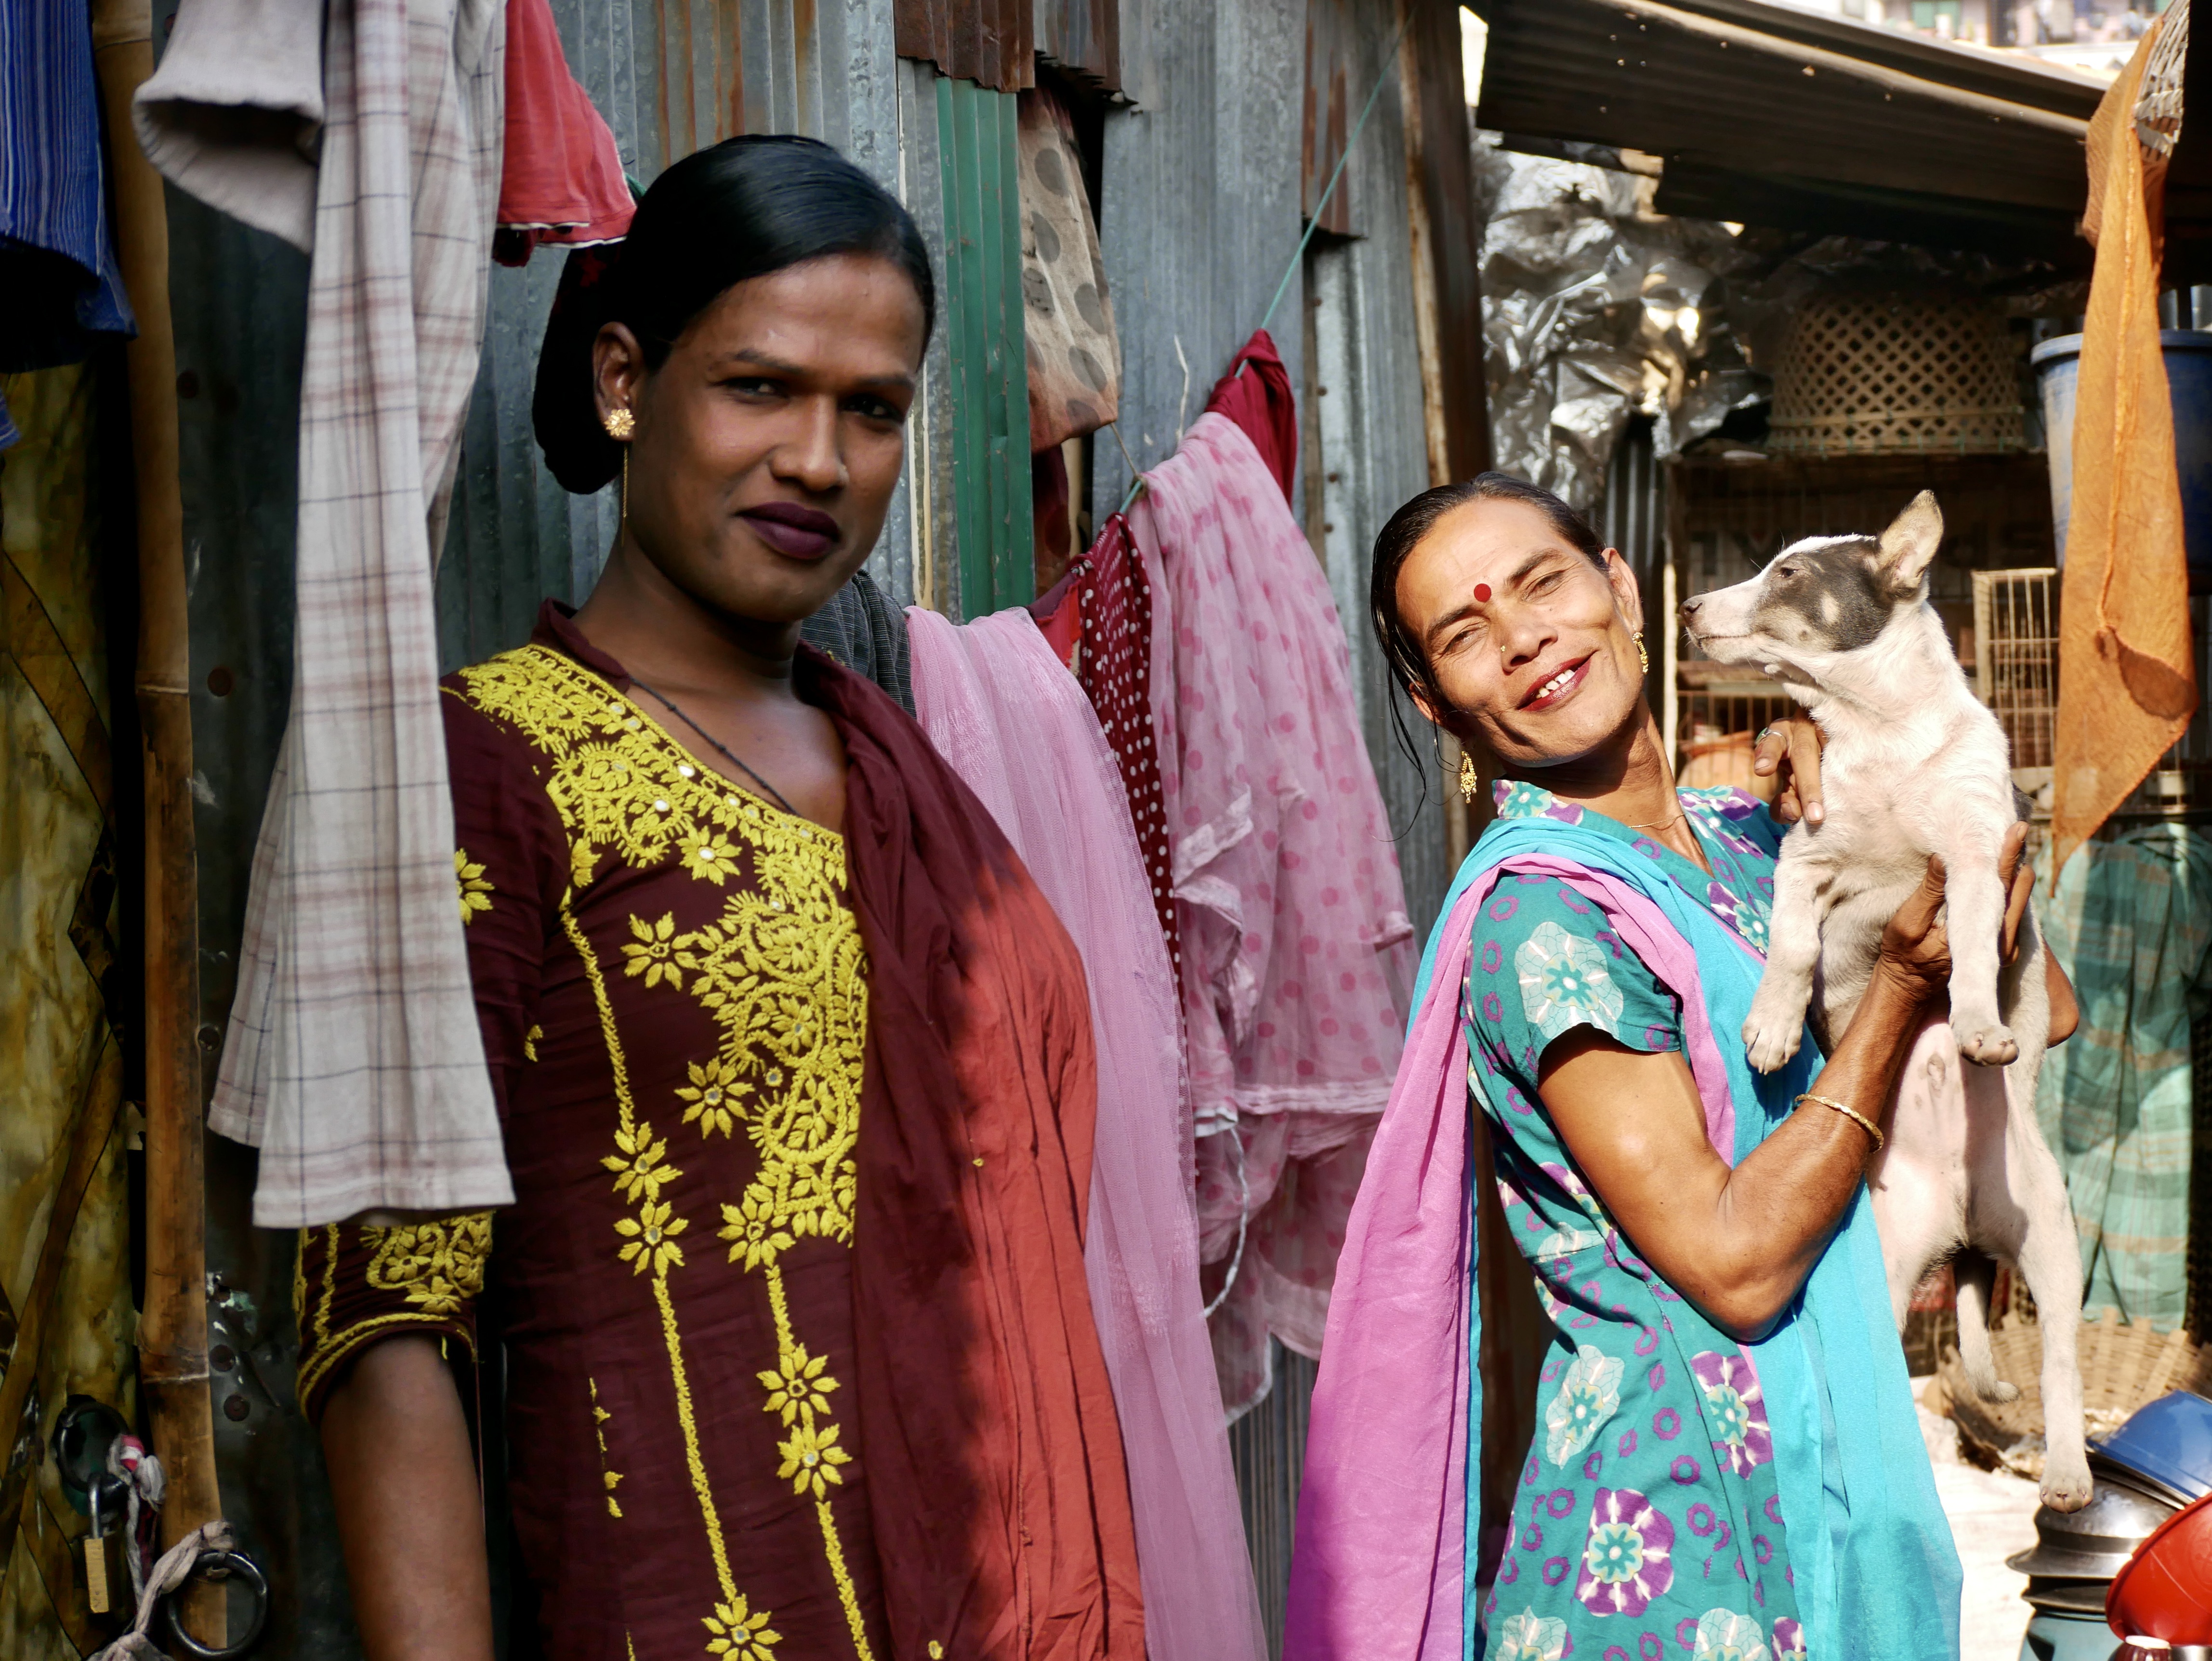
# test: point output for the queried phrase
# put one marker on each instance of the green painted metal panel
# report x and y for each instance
(989, 351)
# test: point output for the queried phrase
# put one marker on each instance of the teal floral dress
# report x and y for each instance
(1646, 1523)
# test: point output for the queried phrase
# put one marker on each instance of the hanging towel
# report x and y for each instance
(352, 1060)
(561, 178)
(2127, 676)
(1015, 726)
(1074, 357)
(56, 254)
(239, 128)
(2131, 924)
(1289, 909)
(1256, 395)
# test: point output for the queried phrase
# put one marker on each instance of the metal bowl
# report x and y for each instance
(2168, 1441)
(2059, 1597)
(2093, 1542)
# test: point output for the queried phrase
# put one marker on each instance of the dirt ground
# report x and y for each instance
(1992, 1515)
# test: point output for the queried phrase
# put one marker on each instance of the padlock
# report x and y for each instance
(106, 1574)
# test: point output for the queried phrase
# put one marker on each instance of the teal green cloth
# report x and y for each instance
(2130, 925)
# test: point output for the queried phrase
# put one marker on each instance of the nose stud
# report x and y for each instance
(1482, 591)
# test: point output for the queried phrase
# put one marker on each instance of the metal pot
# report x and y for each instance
(2093, 1542)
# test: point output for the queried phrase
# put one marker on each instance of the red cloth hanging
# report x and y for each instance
(1256, 395)
(561, 177)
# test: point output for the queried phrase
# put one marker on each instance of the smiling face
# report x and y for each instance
(1528, 643)
(769, 440)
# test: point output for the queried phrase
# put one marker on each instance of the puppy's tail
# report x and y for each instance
(1976, 1276)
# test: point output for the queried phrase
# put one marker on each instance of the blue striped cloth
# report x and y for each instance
(56, 251)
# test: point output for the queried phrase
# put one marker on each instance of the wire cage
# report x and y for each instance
(2016, 657)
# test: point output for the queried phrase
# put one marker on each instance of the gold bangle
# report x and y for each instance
(1854, 1116)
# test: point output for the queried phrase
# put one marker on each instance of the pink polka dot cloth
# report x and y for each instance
(1296, 948)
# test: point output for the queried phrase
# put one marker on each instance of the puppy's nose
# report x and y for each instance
(1689, 607)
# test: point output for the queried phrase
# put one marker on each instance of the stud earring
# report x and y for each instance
(1643, 657)
(1469, 781)
(620, 425)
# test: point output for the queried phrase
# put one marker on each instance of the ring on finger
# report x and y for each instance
(1765, 732)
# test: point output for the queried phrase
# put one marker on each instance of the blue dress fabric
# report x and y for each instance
(57, 252)
(1685, 1496)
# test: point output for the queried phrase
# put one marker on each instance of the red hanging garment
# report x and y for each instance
(1256, 395)
(561, 178)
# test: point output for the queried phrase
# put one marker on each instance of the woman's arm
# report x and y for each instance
(410, 1518)
(1740, 1242)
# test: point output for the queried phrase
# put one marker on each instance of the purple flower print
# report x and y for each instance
(1789, 1639)
(1628, 1559)
(1735, 1409)
(1529, 1636)
(1567, 813)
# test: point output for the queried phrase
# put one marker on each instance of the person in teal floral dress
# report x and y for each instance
(1677, 1515)
(1726, 1463)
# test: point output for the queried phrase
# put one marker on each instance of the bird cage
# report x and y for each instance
(2016, 657)
(1895, 373)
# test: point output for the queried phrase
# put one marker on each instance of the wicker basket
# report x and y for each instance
(2123, 1366)
(1892, 373)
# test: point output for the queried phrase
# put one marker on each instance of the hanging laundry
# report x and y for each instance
(1074, 358)
(561, 179)
(240, 130)
(1003, 711)
(1292, 914)
(1256, 395)
(57, 252)
(1114, 662)
(353, 1060)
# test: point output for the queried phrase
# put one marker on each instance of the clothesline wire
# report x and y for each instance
(1313, 224)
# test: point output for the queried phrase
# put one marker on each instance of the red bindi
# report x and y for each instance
(1482, 591)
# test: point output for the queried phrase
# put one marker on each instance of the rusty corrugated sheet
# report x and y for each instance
(1716, 82)
(1447, 188)
(990, 42)
(1331, 42)
(1083, 37)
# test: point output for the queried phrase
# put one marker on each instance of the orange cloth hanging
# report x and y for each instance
(2127, 676)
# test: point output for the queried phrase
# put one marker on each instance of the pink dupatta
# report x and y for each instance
(1017, 727)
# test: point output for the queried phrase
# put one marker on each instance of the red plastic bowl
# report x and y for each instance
(2165, 1591)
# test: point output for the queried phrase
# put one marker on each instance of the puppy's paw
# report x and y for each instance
(2066, 1485)
(1991, 1044)
(1999, 1390)
(1768, 1043)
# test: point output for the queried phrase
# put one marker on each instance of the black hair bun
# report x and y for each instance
(564, 404)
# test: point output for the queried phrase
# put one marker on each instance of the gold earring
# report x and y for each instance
(1469, 781)
(1643, 657)
(620, 425)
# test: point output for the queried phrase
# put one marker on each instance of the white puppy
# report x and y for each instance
(1915, 765)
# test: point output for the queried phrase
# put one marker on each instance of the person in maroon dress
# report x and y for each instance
(794, 1062)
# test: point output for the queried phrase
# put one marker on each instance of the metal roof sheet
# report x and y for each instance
(1752, 88)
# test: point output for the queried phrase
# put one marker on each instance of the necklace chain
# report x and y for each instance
(728, 754)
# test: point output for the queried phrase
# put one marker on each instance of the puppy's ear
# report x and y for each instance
(1901, 560)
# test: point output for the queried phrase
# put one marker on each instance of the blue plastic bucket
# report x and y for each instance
(2189, 384)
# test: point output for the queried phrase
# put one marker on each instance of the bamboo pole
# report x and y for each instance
(172, 1367)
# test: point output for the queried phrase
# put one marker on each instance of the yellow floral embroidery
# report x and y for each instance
(649, 952)
(740, 1634)
(706, 855)
(810, 1458)
(652, 1235)
(611, 1476)
(712, 1096)
(637, 1164)
(438, 1266)
(783, 973)
(530, 1043)
(476, 889)
(797, 1384)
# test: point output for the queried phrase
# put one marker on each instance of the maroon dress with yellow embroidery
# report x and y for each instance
(674, 994)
